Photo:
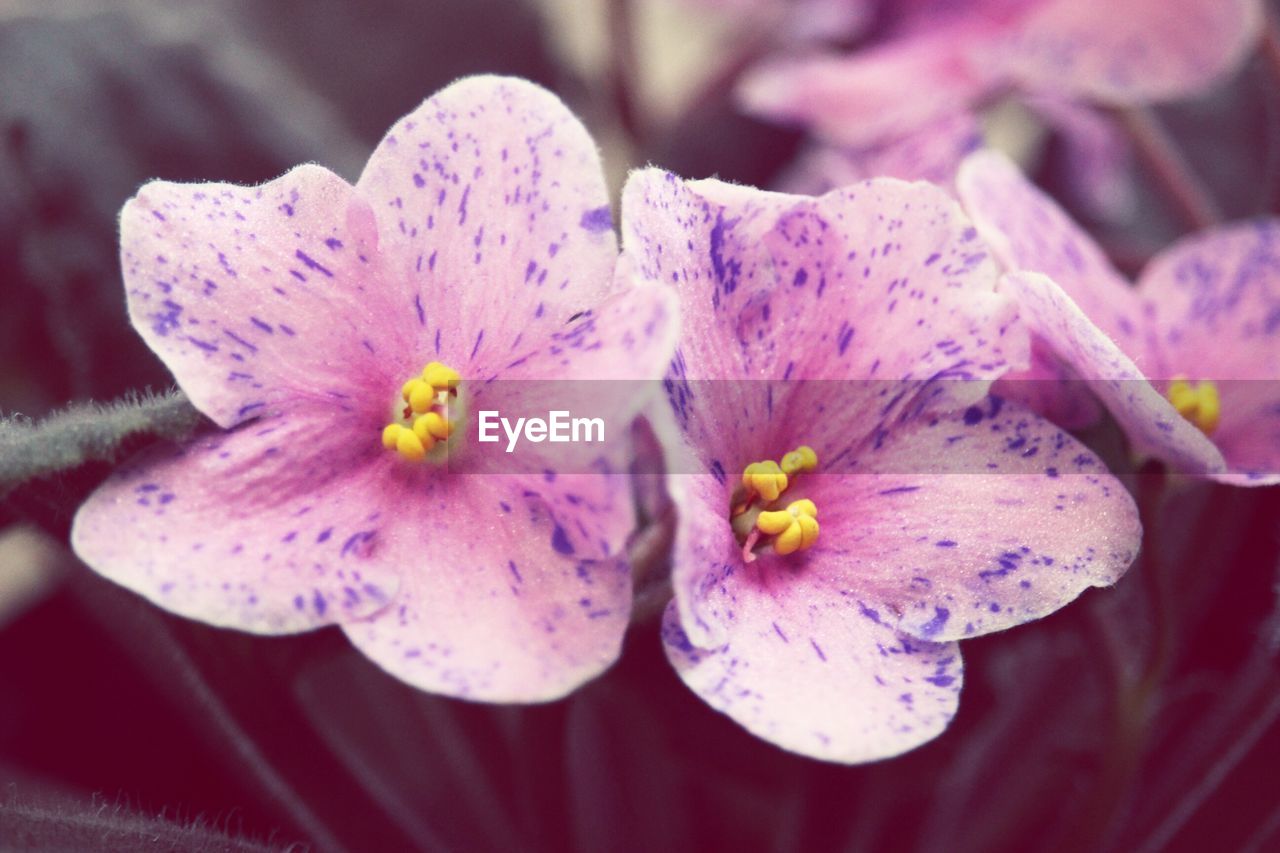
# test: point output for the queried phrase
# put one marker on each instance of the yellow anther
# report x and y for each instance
(423, 433)
(421, 396)
(423, 422)
(765, 478)
(1197, 402)
(432, 424)
(802, 458)
(796, 527)
(440, 377)
(410, 446)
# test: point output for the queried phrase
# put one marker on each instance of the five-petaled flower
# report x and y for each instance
(850, 500)
(341, 335)
(1188, 361)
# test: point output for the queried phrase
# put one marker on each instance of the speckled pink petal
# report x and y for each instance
(491, 201)
(1216, 298)
(967, 524)
(494, 605)
(256, 296)
(1129, 51)
(1028, 231)
(1154, 427)
(275, 527)
(881, 281)
(931, 154)
(859, 99)
(803, 671)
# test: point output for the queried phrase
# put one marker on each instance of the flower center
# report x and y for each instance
(760, 521)
(423, 421)
(1197, 401)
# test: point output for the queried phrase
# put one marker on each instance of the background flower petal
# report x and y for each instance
(1216, 298)
(1153, 426)
(1129, 51)
(859, 99)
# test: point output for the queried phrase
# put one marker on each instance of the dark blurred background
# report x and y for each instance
(1142, 718)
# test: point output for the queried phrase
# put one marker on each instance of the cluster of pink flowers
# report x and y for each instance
(860, 478)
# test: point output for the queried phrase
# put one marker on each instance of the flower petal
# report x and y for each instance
(1216, 298)
(809, 674)
(245, 530)
(881, 281)
(1028, 231)
(493, 607)
(1154, 427)
(932, 153)
(491, 200)
(255, 295)
(1097, 156)
(1129, 51)
(971, 523)
(858, 100)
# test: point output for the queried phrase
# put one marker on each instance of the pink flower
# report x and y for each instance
(898, 107)
(299, 315)
(938, 58)
(848, 507)
(1187, 361)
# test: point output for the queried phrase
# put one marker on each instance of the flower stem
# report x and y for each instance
(1158, 151)
(86, 432)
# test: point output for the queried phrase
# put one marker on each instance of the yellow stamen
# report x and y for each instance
(796, 527)
(803, 458)
(424, 421)
(421, 396)
(1198, 402)
(410, 446)
(440, 377)
(765, 479)
(432, 424)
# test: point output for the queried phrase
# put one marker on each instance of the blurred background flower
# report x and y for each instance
(1141, 718)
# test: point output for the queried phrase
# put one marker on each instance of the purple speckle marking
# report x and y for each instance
(597, 220)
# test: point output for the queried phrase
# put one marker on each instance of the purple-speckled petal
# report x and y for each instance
(1216, 298)
(1154, 427)
(932, 153)
(859, 99)
(275, 527)
(491, 199)
(495, 605)
(1128, 51)
(258, 296)
(1028, 231)
(969, 523)
(803, 673)
(881, 281)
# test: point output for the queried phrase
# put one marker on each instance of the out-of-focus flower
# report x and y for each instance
(835, 538)
(299, 315)
(933, 60)
(1188, 361)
